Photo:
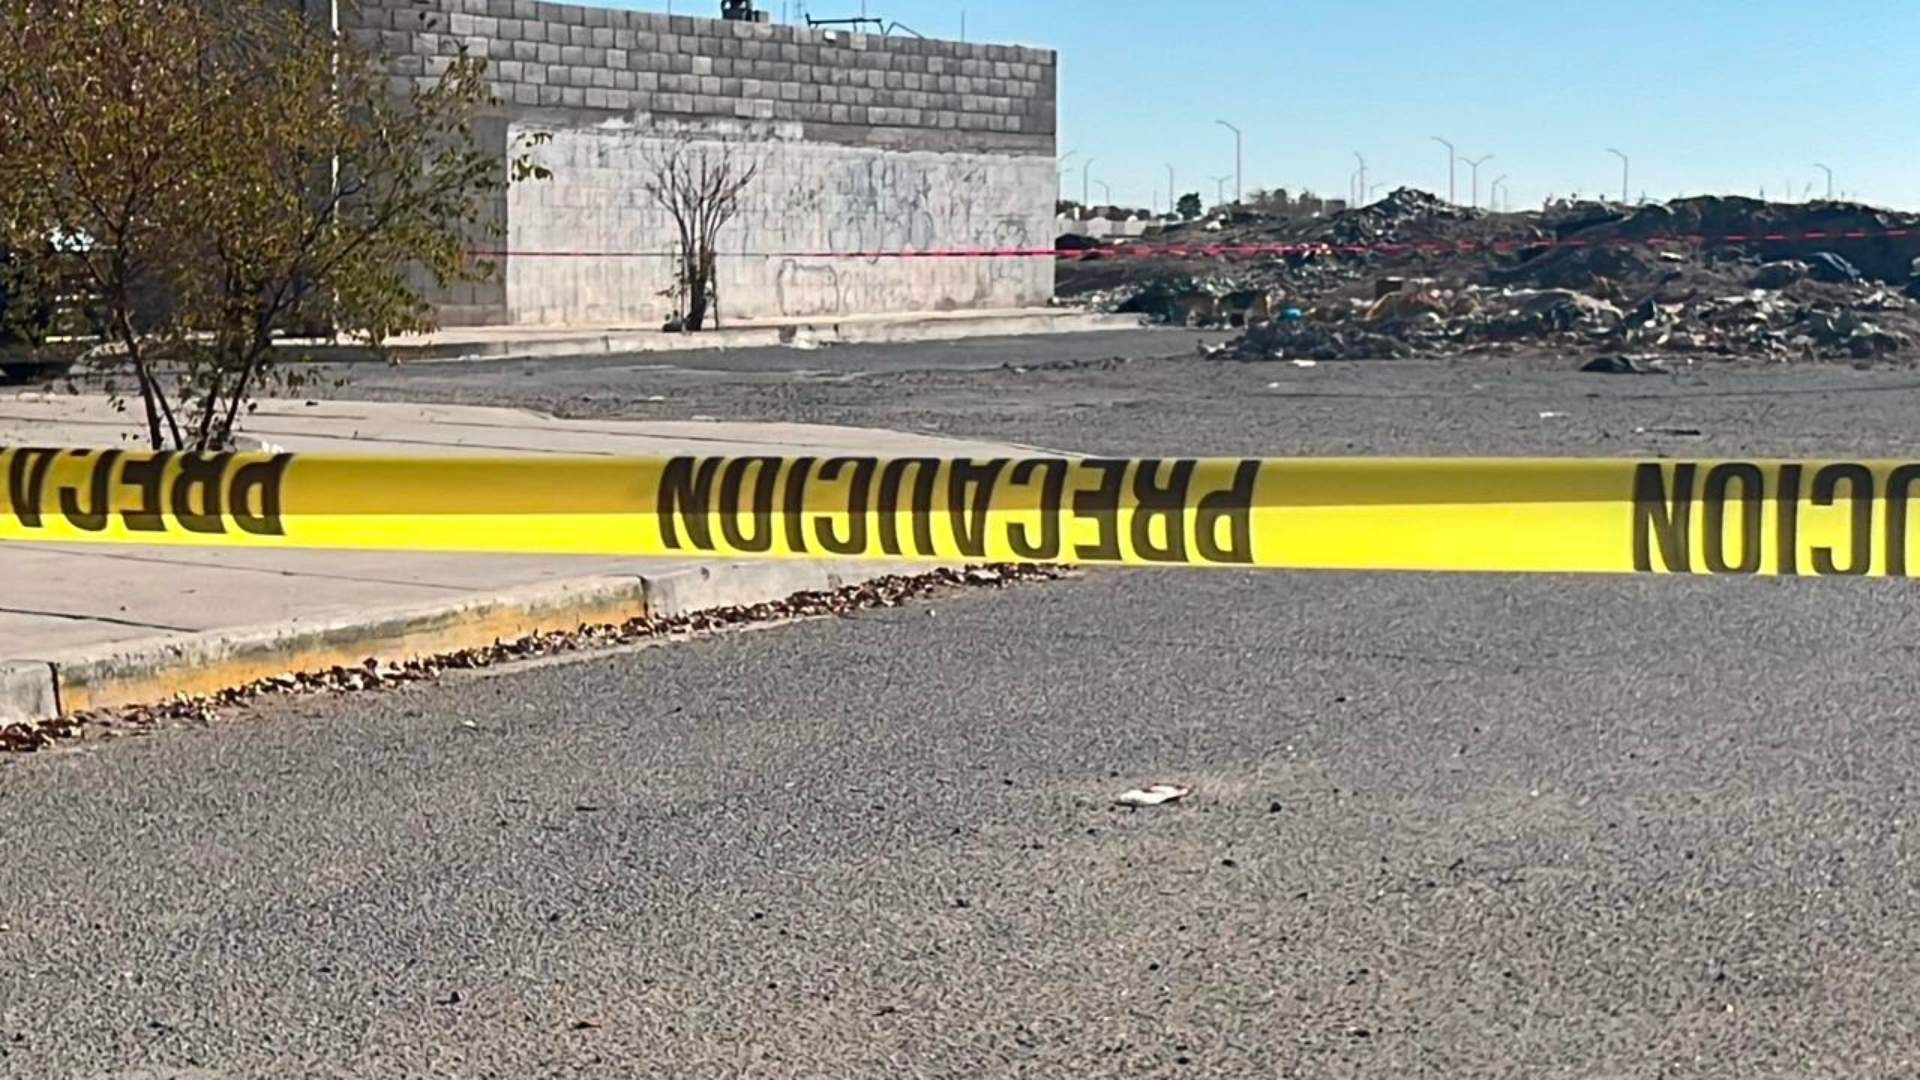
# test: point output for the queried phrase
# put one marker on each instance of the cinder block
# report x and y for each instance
(602, 37)
(614, 58)
(602, 78)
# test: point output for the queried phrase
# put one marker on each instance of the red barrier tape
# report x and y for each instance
(1190, 251)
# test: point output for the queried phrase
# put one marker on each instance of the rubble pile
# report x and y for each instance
(1727, 277)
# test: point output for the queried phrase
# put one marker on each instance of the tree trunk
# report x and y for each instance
(697, 297)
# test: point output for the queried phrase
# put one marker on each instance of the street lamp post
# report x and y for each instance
(1625, 175)
(1451, 155)
(1239, 161)
(1173, 199)
(1360, 185)
(1474, 164)
(1220, 190)
(1493, 192)
(1108, 189)
(1086, 181)
(1829, 173)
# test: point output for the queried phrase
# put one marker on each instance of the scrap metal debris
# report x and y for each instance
(885, 592)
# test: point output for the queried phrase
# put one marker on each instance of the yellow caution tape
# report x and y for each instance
(1594, 516)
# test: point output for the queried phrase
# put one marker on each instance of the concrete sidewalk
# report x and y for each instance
(557, 342)
(85, 627)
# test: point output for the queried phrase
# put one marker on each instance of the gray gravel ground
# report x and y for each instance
(1448, 826)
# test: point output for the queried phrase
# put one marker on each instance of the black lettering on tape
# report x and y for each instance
(926, 473)
(253, 495)
(686, 501)
(794, 506)
(91, 518)
(1898, 496)
(733, 479)
(1656, 517)
(859, 493)
(1162, 505)
(1787, 519)
(1102, 507)
(1752, 492)
(27, 483)
(969, 497)
(1232, 508)
(204, 474)
(146, 476)
(1826, 488)
(1053, 483)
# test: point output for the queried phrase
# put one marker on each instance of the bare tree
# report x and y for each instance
(699, 184)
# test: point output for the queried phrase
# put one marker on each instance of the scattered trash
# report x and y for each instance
(1306, 363)
(1831, 268)
(1685, 432)
(1152, 795)
(1625, 365)
(1553, 416)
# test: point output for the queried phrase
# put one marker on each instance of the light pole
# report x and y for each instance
(1106, 188)
(1239, 161)
(1173, 199)
(1220, 190)
(1829, 173)
(1493, 192)
(1371, 188)
(1451, 155)
(1086, 180)
(1360, 185)
(1474, 164)
(1625, 167)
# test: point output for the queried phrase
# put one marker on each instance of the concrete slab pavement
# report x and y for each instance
(86, 627)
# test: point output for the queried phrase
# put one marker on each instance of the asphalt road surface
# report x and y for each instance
(1449, 826)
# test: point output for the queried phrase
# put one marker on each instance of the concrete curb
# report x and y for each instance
(150, 670)
(798, 335)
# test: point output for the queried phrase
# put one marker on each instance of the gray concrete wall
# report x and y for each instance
(867, 144)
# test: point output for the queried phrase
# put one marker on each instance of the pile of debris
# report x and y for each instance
(1726, 277)
(1808, 319)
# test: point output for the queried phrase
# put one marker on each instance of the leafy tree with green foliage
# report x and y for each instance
(222, 174)
(1189, 206)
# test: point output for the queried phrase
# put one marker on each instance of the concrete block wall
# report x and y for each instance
(791, 252)
(899, 143)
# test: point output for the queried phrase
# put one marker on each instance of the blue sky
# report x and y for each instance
(1704, 95)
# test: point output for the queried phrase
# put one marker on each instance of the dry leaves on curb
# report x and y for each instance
(886, 592)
